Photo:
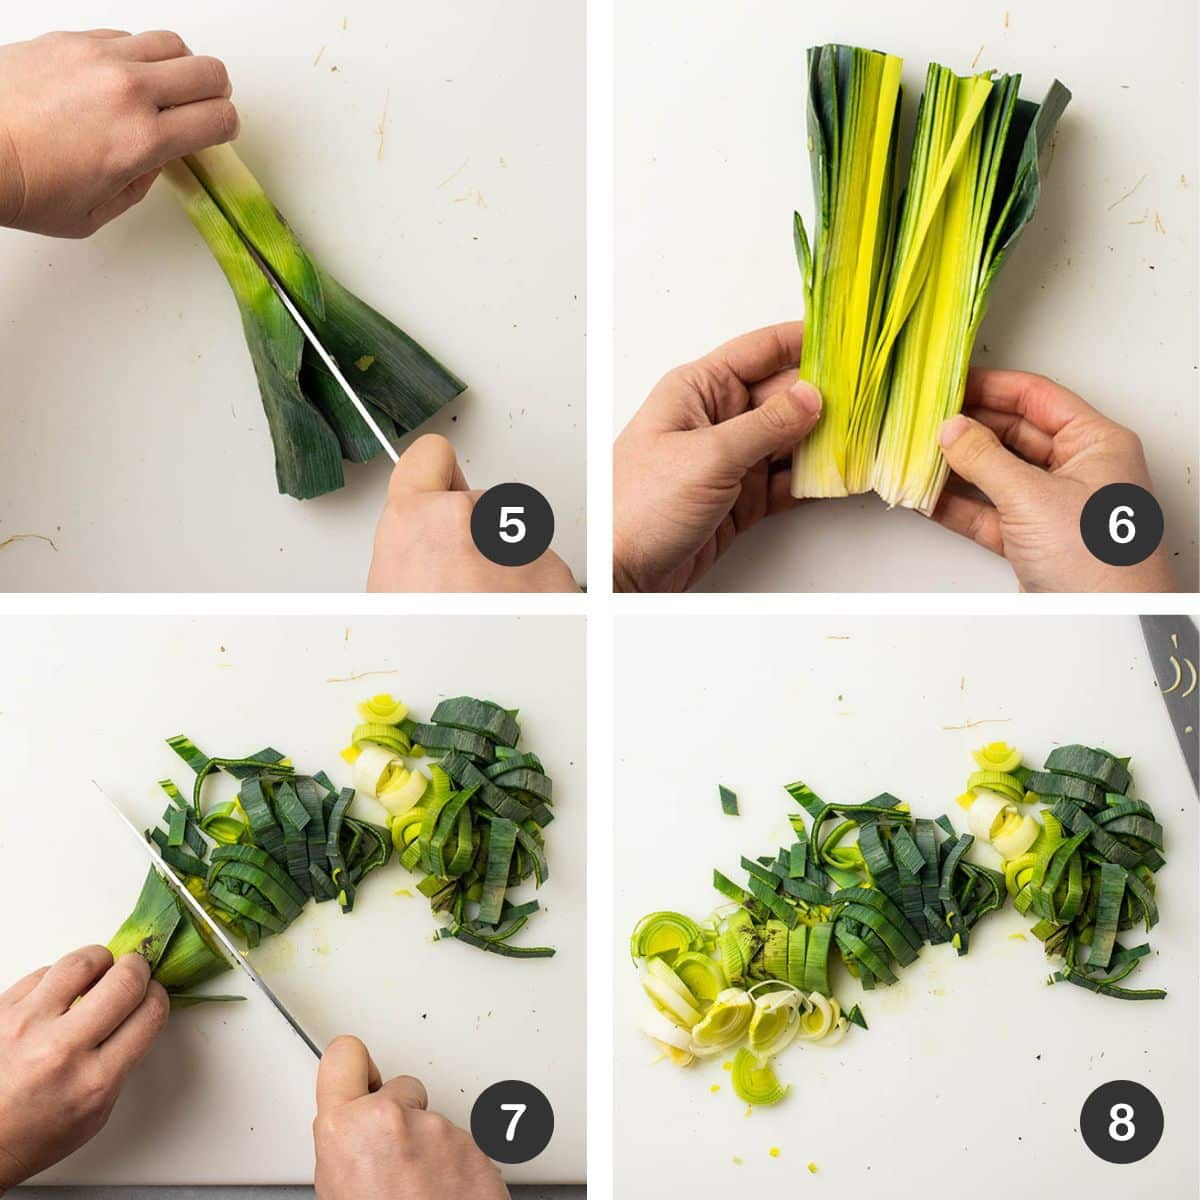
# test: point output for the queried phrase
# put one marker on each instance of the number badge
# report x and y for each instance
(1121, 1121)
(512, 1122)
(512, 524)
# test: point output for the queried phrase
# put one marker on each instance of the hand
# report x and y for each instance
(375, 1141)
(64, 1062)
(423, 540)
(1061, 451)
(706, 457)
(87, 120)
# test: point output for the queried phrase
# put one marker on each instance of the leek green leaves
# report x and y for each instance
(896, 288)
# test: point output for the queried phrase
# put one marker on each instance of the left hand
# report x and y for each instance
(706, 457)
(69, 1035)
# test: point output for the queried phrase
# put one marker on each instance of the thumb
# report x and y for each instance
(975, 453)
(783, 420)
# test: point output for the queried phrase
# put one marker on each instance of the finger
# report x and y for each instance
(344, 1074)
(154, 46)
(754, 356)
(781, 422)
(1039, 400)
(193, 127)
(975, 453)
(110, 1002)
(129, 1042)
(428, 465)
(69, 978)
(1018, 434)
(23, 987)
(185, 80)
(106, 34)
(406, 1091)
(123, 201)
(971, 518)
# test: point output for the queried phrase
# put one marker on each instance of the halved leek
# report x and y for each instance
(894, 295)
(313, 424)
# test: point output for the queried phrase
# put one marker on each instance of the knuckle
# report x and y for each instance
(171, 43)
(226, 120)
(121, 83)
(216, 76)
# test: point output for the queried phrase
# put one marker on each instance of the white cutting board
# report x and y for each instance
(134, 435)
(711, 161)
(948, 1083)
(226, 1096)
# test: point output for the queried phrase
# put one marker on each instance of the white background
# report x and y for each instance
(94, 698)
(133, 432)
(711, 160)
(948, 1082)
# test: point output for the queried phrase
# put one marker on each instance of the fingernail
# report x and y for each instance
(806, 396)
(953, 429)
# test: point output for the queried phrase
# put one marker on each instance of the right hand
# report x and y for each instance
(87, 120)
(69, 1035)
(423, 540)
(1061, 450)
(376, 1141)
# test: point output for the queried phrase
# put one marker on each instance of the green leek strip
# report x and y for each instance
(333, 851)
(879, 863)
(816, 958)
(466, 774)
(525, 780)
(246, 906)
(447, 824)
(729, 889)
(797, 946)
(181, 861)
(288, 804)
(857, 948)
(176, 823)
(1098, 766)
(508, 760)
(805, 797)
(261, 883)
(1077, 977)
(729, 801)
(888, 910)
(492, 946)
(442, 739)
(479, 716)
(1108, 914)
(464, 847)
(1067, 787)
(500, 851)
(775, 904)
(754, 1083)
(263, 826)
(257, 859)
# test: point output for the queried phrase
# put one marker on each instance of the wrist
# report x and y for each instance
(623, 578)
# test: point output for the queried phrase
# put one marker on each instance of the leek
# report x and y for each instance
(313, 424)
(895, 292)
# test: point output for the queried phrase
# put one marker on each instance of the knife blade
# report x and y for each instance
(232, 955)
(1174, 647)
(315, 342)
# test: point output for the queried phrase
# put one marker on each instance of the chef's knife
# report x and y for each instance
(1174, 647)
(315, 342)
(218, 935)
